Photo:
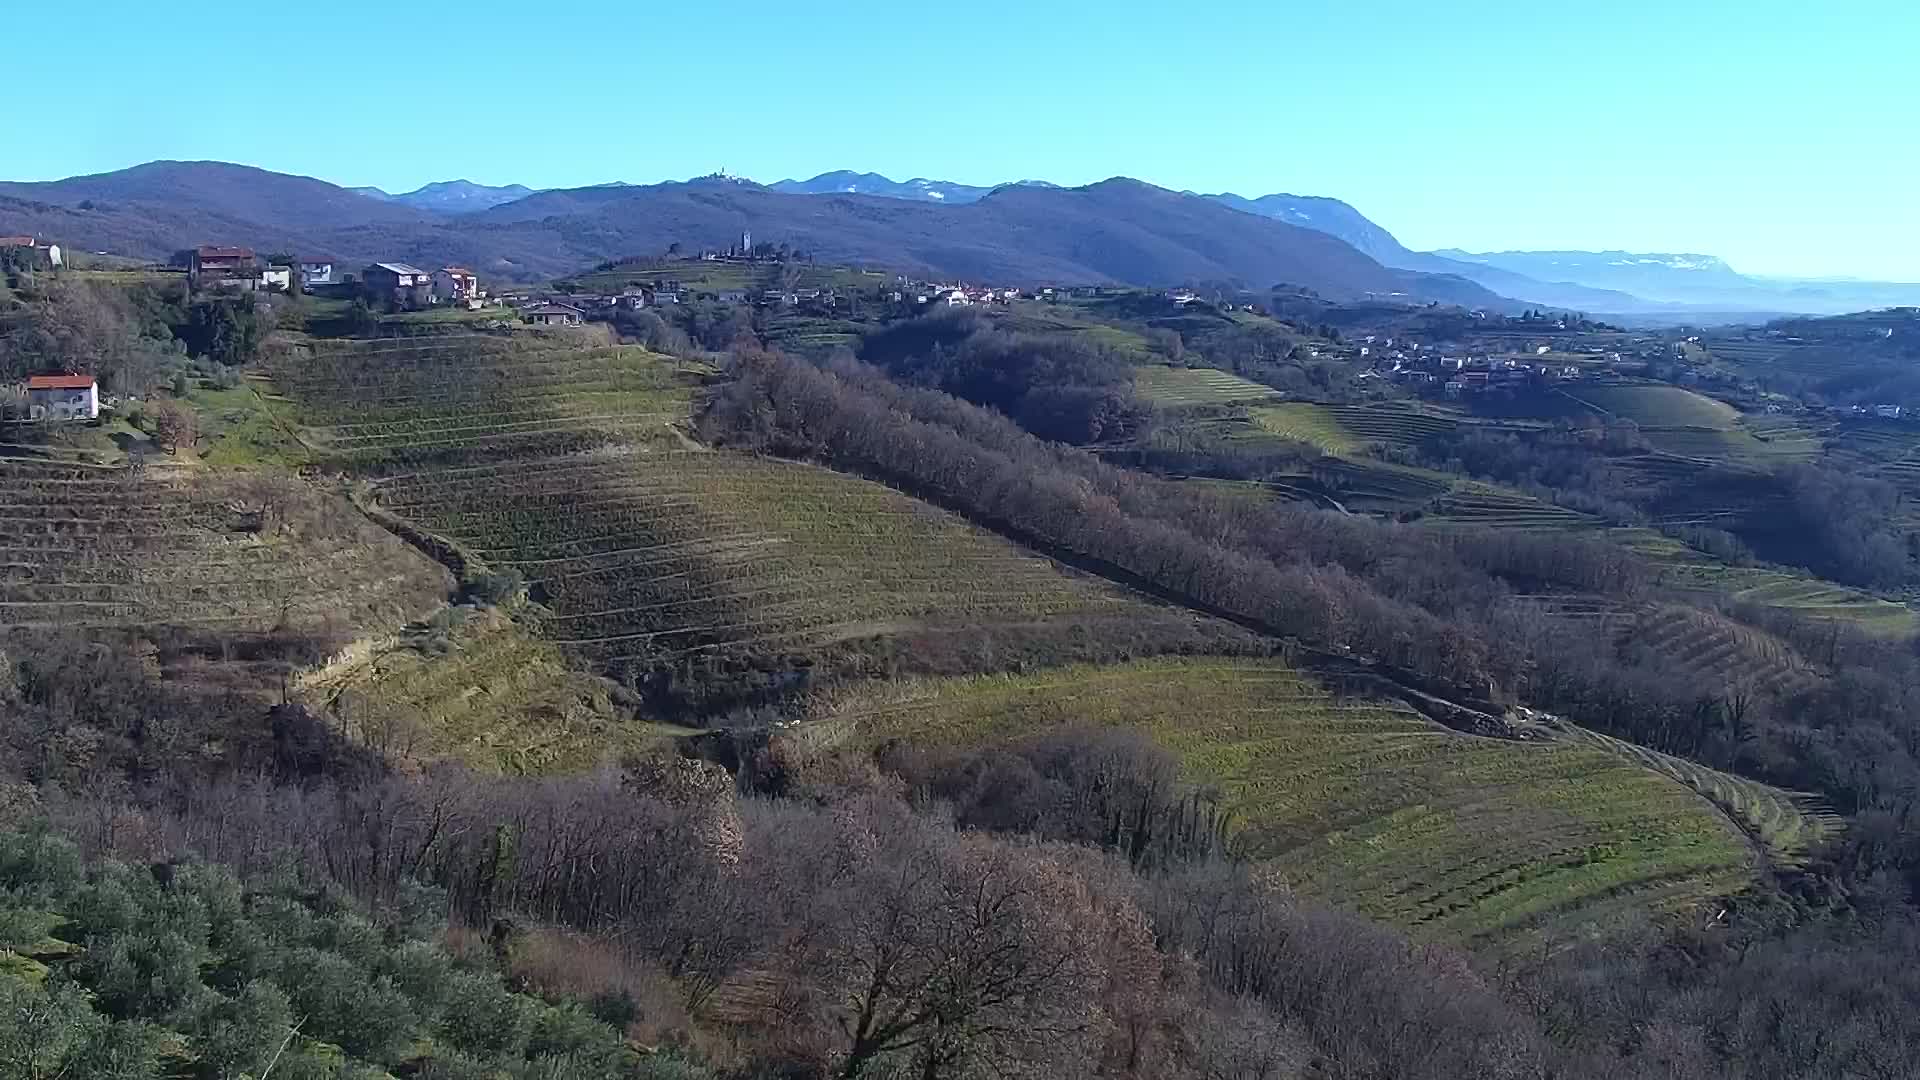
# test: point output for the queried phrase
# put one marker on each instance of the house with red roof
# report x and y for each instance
(63, 397)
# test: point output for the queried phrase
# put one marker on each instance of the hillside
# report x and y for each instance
(219, 192)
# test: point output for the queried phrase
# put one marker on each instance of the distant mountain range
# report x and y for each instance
(1118, 230)
(451, 196)
(1611, 282)
(846, 182)
(1696, 280)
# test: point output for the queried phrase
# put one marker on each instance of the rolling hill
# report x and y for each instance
(1117, 231)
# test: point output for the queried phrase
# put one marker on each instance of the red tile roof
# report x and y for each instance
(225, 253)
(59, 382)
(16, 241)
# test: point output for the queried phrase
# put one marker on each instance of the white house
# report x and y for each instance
(63, 397)
(454, 283)
(958, 298)
(277, 277)
(315, 271)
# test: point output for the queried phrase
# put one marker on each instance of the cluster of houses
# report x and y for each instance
(961, 295)
(407, 287)
(217, 268)
(394, 284)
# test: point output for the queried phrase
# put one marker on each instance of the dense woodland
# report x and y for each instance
(197, 883)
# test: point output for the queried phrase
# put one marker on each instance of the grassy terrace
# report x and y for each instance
(1365, 804)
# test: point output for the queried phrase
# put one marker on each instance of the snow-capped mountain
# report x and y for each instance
(919, 189)
(452, 196)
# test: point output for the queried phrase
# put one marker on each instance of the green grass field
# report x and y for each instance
(1368, 805)
(1176, 388)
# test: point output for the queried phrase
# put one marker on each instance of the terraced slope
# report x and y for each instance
(1365, 804)
(569, 467)
(477, 686)
(85, 547)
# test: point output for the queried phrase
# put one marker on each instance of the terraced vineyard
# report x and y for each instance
(1482, 504)
(96, 548)
(437, 400)
(652, 557)
(1187, 387)
(1721, 651)
(1365, 804)
(567, 467)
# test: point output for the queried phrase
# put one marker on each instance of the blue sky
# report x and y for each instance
(1780, 136)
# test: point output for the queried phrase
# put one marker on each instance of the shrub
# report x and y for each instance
(367, 1017)
(238, 1034)
(482, 1018)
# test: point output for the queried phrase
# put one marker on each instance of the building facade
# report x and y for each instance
(63, 397)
